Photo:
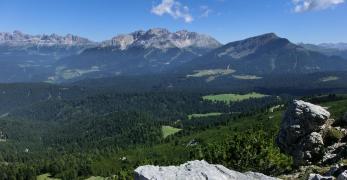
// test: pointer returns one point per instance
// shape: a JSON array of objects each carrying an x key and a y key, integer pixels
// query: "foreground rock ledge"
[{"x": 195, "y": 170}]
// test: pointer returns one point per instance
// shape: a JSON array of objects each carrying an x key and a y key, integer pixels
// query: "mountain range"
[
  {"x": 18, "y": 38},
  {"x": 25, "y": 57},
  {"x": 54, "y": 58},
  {"x": 266, "y": 54},
  {"x": 329, "y": 49},
  {"x": 141, "y": 52},
  {"x": 18, "y": 43}
]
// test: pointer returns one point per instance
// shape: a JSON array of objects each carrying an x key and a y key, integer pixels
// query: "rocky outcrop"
[
  {"x": 302, "y": 130},
  {"x": 342, "y": 176},
  {"x": 195, "y": 170},
  {"x": 307, "y": 134},
  {"x": 314, "y": 172},
  {"x": 319, "y": 177}
]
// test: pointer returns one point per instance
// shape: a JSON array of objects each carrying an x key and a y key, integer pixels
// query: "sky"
[{"x": 310, "y": 21}]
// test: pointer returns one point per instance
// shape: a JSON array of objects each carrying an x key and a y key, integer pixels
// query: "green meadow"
[
  {"x": 168, "y": 130},
  {"x": 229, "y": 98}
]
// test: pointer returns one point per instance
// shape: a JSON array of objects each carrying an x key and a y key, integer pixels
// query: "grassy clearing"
[
  {"x": 247, "y": 77},
  {"x": 168, "y": 130},
  {"x": 336, "y": 108},
  {"x": 211, "y": 72},
  {"x": 329, "y": 78},
  {"x": 96, "y": 178},
  {"x": 228, "y": 98},
  {"x": 191, "y": 116},
  {"x": 46, "y": 177}
]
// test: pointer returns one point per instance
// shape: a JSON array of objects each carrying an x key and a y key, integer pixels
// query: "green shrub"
[
  {"x": 333, "y": 135},
  {"x": 250, "y": 150}
]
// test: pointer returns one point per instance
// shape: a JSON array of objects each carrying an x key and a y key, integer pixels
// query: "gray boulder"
[
  {"x": 342, "y": 176},
  {"x": 195, "y": 170},
  {"x": 302, "y": 131},
  {"x": 320, "y": 177},
  {"x": 334, "y": 153}
]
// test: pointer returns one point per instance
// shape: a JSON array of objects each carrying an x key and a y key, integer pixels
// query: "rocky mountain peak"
[
  {"x": 243, "y": 48},
  {"x": 267, "y": 36},
  {"x": 123, "y": 41},
  {"x": 18, "y": 38},
  {"x": 162, "y": 39},
  {"x": 259, "y": 40},
  {"x": 158, "y": 32}
]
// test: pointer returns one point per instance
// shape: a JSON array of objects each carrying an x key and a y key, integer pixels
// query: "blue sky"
[{"x": 313, "y": 21}]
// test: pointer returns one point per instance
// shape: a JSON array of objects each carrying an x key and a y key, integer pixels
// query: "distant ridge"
[
  {"x": 19, "y": 39},
  {"x": 162, "y": 39},
  {"x": 266, "y": 54},
  {"x": 55, "y": 58},
  {"x": 142, "y": 52}
]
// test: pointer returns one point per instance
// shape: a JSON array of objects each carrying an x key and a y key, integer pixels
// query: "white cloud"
[
  {"x": 205, "y": 11},
  {"x": 174, "y": 9},
  {"x": 308, "y": 5}
]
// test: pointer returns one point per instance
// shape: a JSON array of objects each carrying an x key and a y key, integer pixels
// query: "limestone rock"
[
  {"x": 302, "y": 130},
  {"x": 336, "y": 170},
  {"x": 195, "y": 170},
  {"x": 332, "y": 171},
  {"x": 342, "y": 176},
  {"x": 335, "y": 152},
  {"x": 319, "y": 177}
]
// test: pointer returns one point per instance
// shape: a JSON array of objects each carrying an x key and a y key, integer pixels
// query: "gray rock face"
[
  {"x": 302, "y": 130},
  {"x": 342, "y": 176},
  {"x": 18, "y": 38},
  {"x": 320, "y": 177},
  {"x": 195, "y": 170},
  {"x": 334, "y": 153},
  {"x": 162, "y": 39}
]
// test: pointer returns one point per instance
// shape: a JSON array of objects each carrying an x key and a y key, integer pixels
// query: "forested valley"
[{"x": 86, "y": 129}]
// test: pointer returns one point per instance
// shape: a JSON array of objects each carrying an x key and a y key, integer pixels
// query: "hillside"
[
  {"x": 70, "y": 135},
  {"x": 237, "y": 145},
  {"x": 81, "y": 131},
  {"x": 265, "y": 54},
  {"x": 330, "y": 50}
]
